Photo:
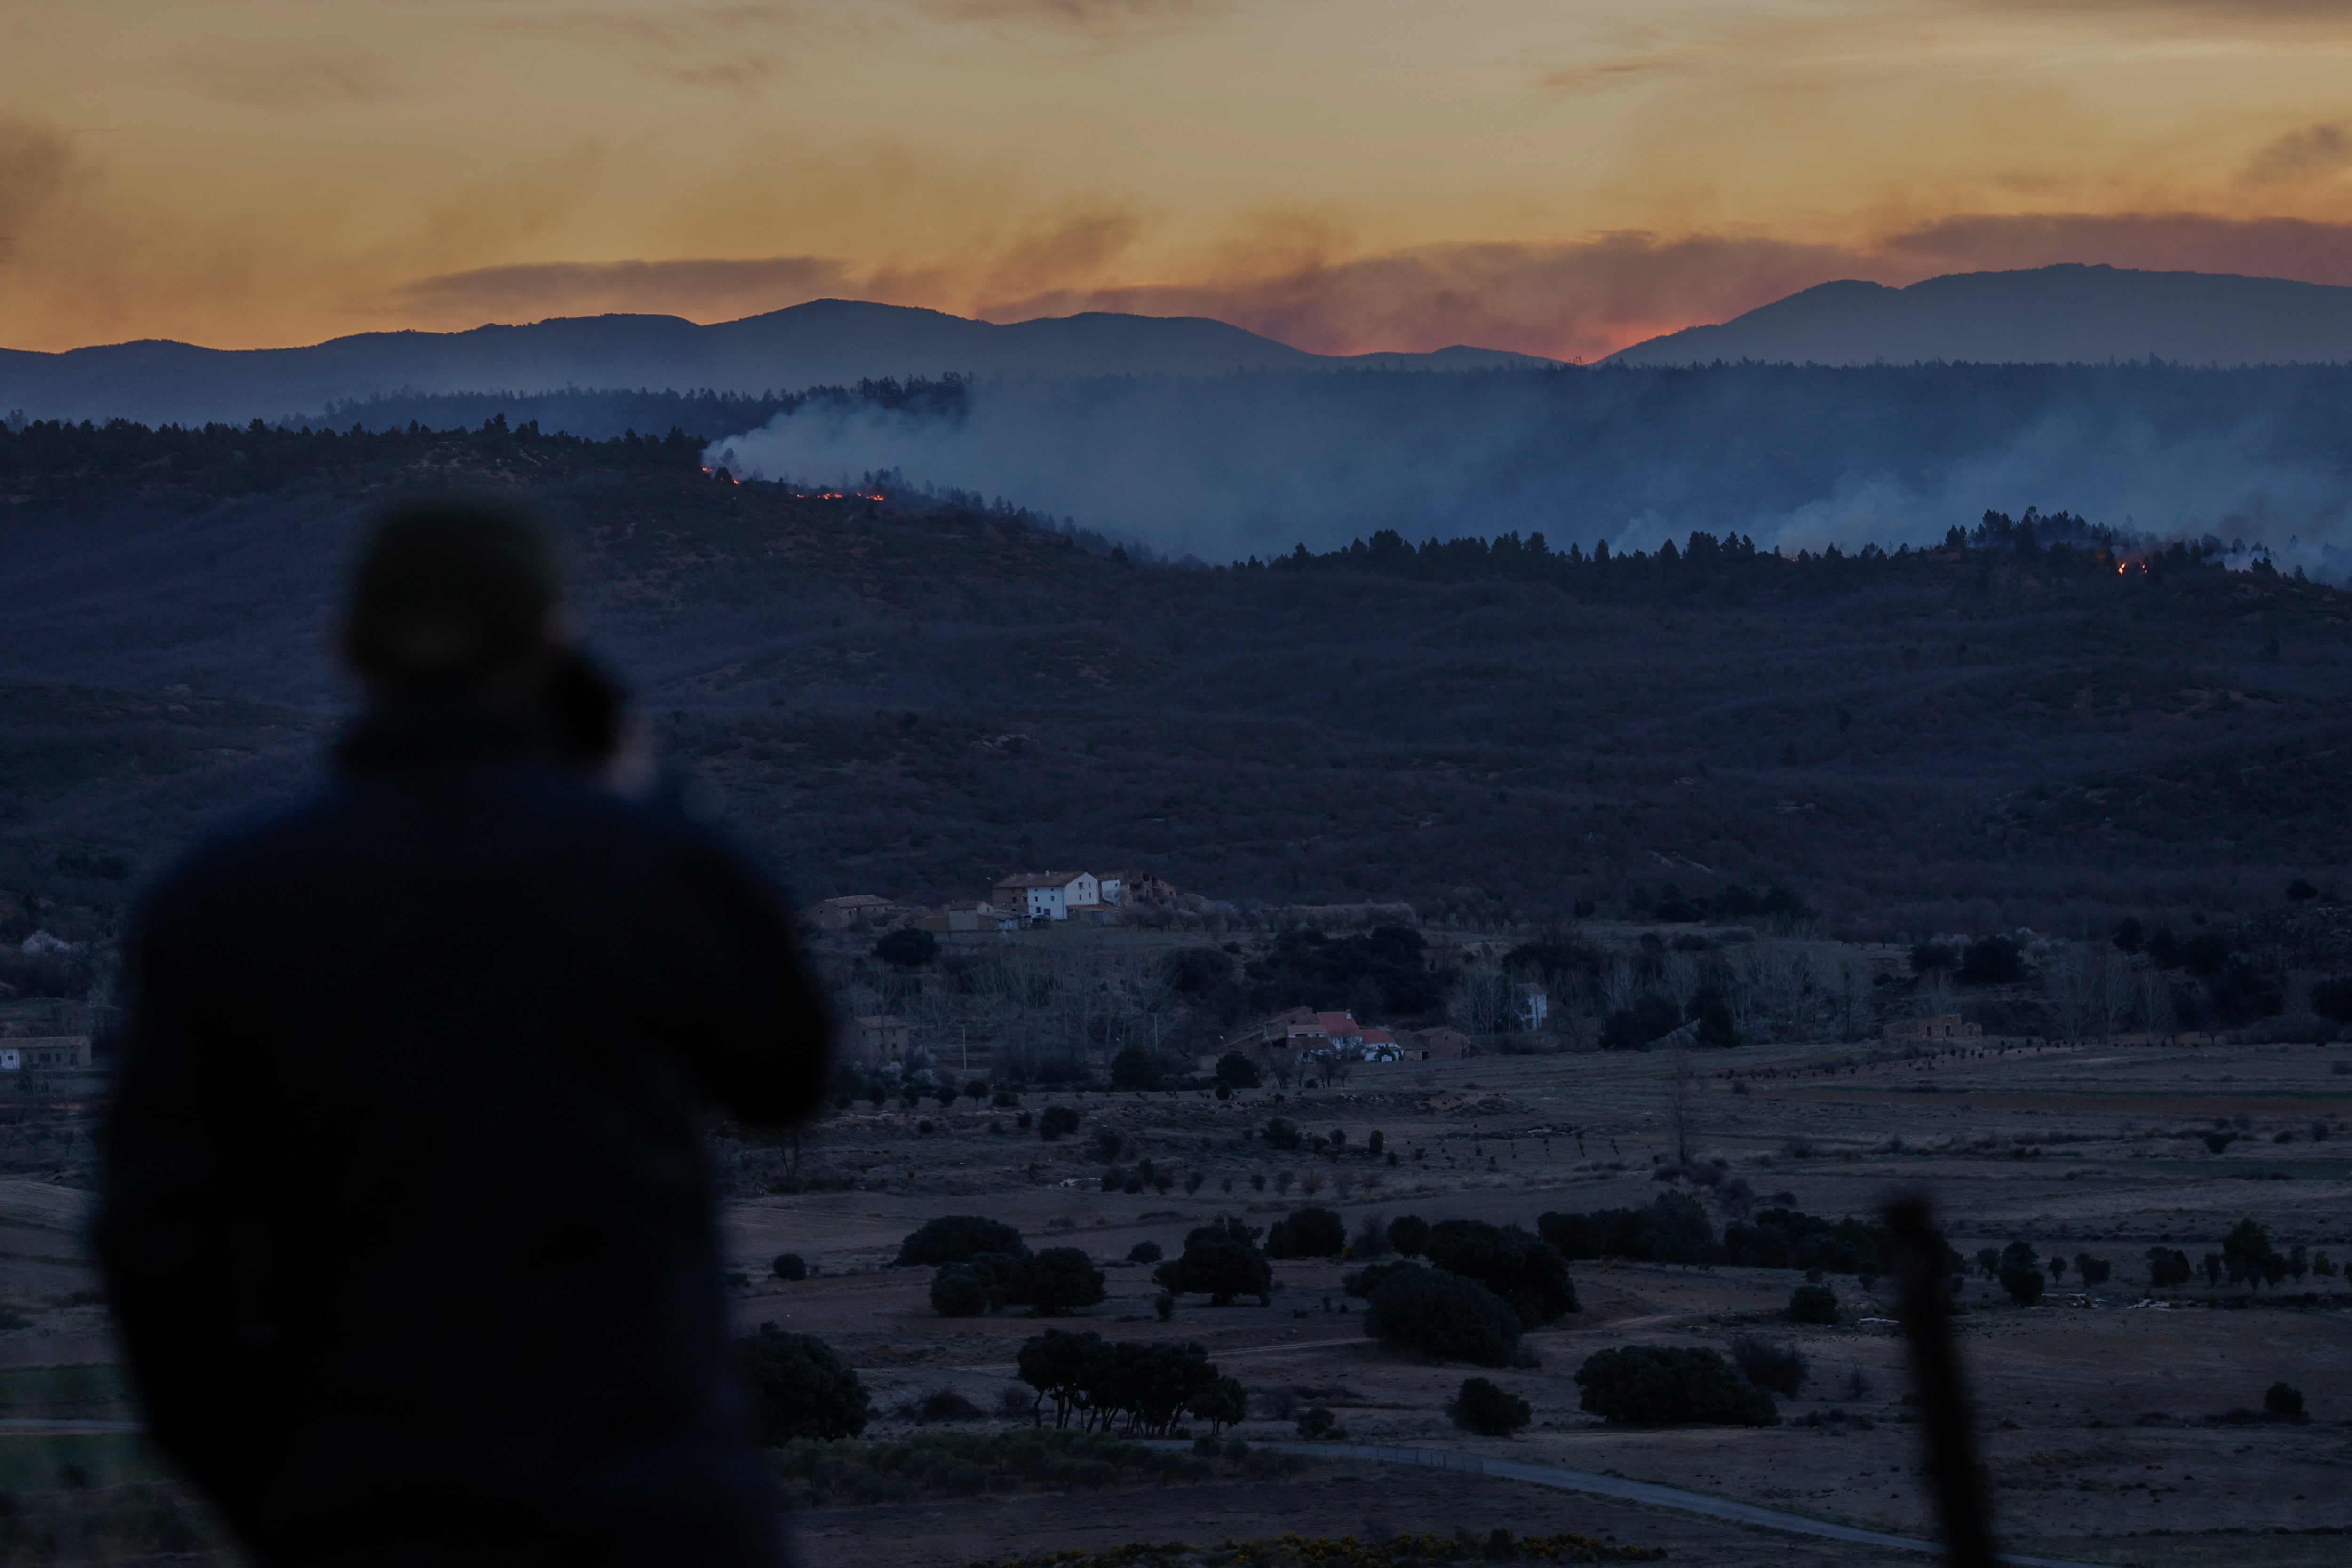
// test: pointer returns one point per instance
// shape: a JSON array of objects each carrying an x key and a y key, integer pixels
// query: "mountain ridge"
[
  {"x": 2070, "y": 313},
  {"x": 821, "y": 342}
]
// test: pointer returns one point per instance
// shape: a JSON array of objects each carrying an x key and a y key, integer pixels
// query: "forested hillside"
[{"x": 2036, "y": 725}]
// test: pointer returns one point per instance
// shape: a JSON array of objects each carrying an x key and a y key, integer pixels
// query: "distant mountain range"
[
  {"x": 823, "y": 342},
  {"x": 2051, "y": 314}
]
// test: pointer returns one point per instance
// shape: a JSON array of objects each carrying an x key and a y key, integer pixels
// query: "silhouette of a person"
[{"x": 406, "y": 1218}]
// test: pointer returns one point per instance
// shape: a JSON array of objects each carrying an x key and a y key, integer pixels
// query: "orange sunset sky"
[{"x": 1560, "y": 176}]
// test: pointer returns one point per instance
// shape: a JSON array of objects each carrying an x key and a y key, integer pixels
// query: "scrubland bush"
[
  {"x": 1061, "y": 1279},
  {"x": 1782, "y": 1368},
  {"x": 1530, "y": 1274},
  {"x": 1483, "y": 1408},
  {"x": 1221, "y": 1261},
  {"x": 958, "y": 1292},
  {"x": 1443, "y": 1315},
  {"x": 1408, "y": 1233},
  {"x": 957, "y": 1238},
  {"x": 799, "y": 1387},
  {"x": 1663, "y": 1385},
  {"x": 1134, "y": 1068},
  {"x": 1150, "y": 1386},
  {"x": 1237, "y": 1070},
  {"x": 1311, "y": 1232},
  {"x": 1813, "y": 1304}
]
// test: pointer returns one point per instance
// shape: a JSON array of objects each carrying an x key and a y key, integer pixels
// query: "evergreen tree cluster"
[
  {"x": 1221, "y": 1261},
  {"x": 1140, "y": 1389},
  {"x": 984, "y": 1267},
  {"x": 1483, "y": 1288},
  {"x": 1675, "y": 1228},
  {"x": 1668, "y": 1386},
  {"x": 1730, "y": 568},
  {"x": 59, "y": 463},
  {"x": 799, "y": 1387}
]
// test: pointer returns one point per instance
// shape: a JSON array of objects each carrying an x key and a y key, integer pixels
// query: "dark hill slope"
[
  {"x": 911, "y": 700},
  {"x": 2051, "y": 314},
  {"x": 823, "y": 341}
]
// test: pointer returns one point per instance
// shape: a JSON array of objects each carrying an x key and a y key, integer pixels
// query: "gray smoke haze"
[{"x": 1794, "y": 458}]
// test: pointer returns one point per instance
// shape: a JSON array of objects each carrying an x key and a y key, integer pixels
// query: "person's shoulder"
[
  {"x": 671, "y": 822},
  {"x": 241, "y": 852}
]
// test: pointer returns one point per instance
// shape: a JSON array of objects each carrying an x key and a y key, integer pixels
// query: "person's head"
[{"x": 453, "y": 593}]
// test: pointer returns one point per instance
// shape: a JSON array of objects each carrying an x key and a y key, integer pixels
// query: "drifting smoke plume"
[{"x": 1794, "y": 458}]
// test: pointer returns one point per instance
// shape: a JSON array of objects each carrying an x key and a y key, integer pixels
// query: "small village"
[
  {"x": 1056, "y": 974},
  {"x": 1026, "y": 900}
]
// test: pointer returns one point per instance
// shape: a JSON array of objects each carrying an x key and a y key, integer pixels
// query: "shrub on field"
[
  {"x": 1221, "y": 1261},
  {"x": 2284, "y": 1401},
  {"x": 1442, "y": 1314},
  {"x": 1781, "y": 1368},
  {"x": 1813, "y": 1304},
  {"x": 1134, "y": 1068},
  {"x": 1058, "y": 1122},
  {"x": 790, "y": 1266},
  {"x": 1490, "y": 1411},
  {"x": 958, "y": 1292},
  {"x": 907, "y": 948},
  {"x": 957, "y": 1238},
  {"x": 1144, "y": 1253},
  {"x": 1530, "y": 1274},
  {"x": 1309, "y": 1232},
  {"x": 1061, "y": 1279},
  {"x": 1150, "y": 1385},
  {"x": 941, "y": 1404},
  {"x": 1408, "y": 1233},
  {"x": 800, "y": 1388},
  {"x": 2168, "y": 1266},
  {"x": 2024, "y": 1285},
  {"x": 2093, "y": 1270},
  {"x": 1663, "y": 1385},
  {"x": 1282, "y": 1133},
  {"x": 1673, "y": 1229}
]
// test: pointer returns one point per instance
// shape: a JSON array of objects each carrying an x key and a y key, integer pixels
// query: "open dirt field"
[
  {"x": 2099, "y": 1434},
  {"x": 2099, "y": 1438}
]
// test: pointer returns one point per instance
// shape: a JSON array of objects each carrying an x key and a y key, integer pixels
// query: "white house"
[
  {"x": 51, "y": 1050},
  {"x": 1049, "y": 895}
]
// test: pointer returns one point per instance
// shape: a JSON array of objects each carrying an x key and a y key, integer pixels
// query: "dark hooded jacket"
[{"x": 406, "y": 1217}]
